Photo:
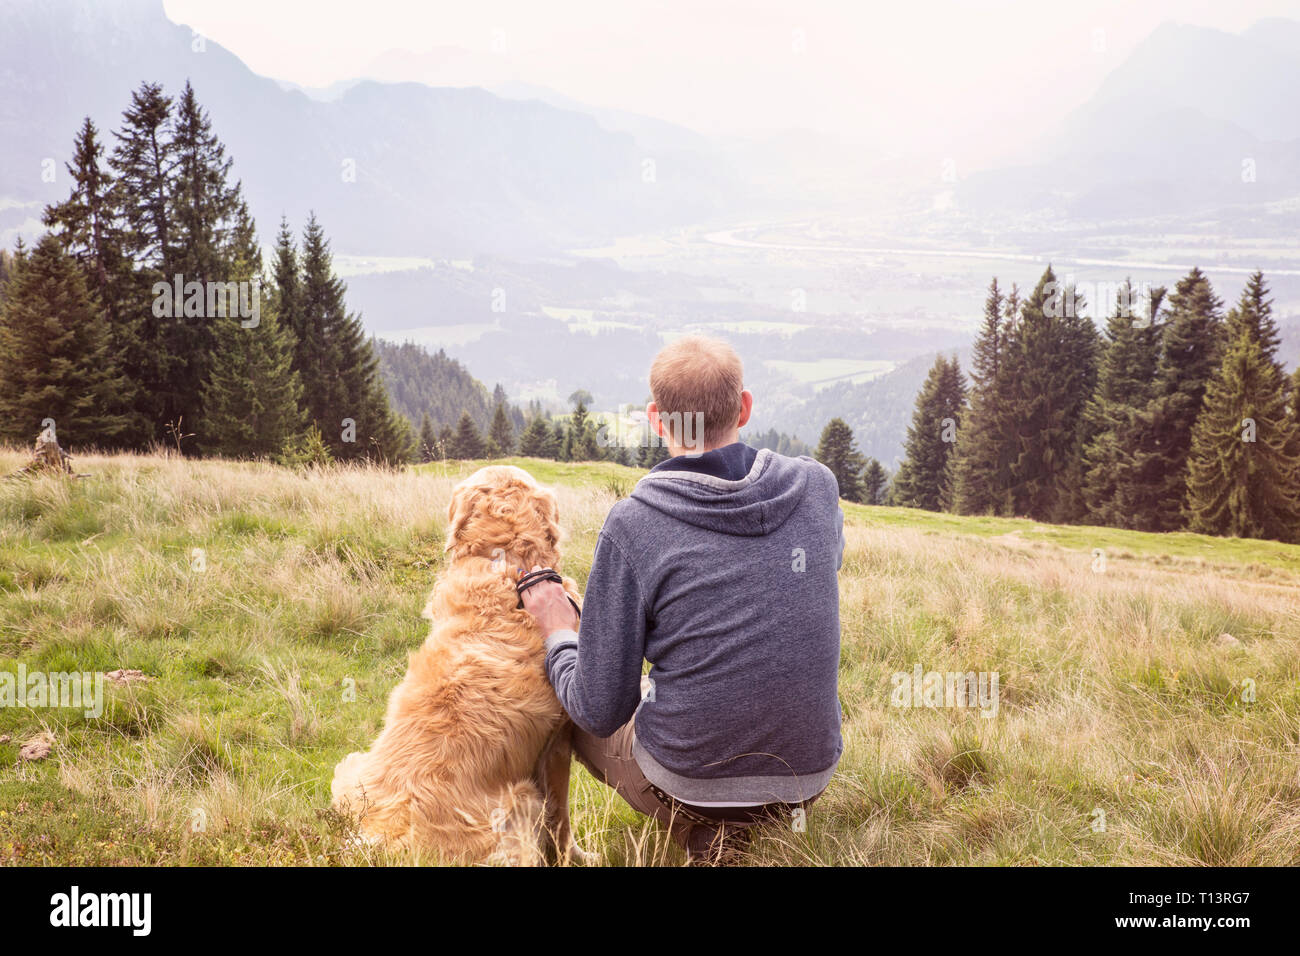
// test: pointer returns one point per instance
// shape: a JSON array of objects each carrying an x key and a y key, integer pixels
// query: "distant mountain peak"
[{"x": 1277, "y": 32}]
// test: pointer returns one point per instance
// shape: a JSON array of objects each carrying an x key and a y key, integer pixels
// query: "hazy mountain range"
[
  {"x": 391, "y": 169},
  {"x": 521, "y": 169},
  {"x": 1194, "y": 119},
  {"x": 403, "y": 168}
]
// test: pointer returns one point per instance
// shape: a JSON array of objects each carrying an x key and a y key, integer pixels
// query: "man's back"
[{"x": 734, "y": 583}]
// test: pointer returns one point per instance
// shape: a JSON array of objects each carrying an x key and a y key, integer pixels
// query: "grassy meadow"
[{"x": 1149, "y": 696}]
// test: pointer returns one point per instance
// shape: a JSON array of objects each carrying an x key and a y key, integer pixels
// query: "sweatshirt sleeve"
[{"x": 596, "y": 672}]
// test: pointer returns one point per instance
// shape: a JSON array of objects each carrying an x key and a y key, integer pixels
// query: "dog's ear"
[
  {"x": 549, "y": 511},
  {"x": 463, "y": 500}
]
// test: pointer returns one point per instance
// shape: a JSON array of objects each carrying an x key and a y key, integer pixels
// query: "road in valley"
[{"x": 728, "y": 237}]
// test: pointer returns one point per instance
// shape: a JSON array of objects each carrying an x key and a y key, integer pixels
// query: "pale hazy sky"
[{"x": 925, "y": 70}]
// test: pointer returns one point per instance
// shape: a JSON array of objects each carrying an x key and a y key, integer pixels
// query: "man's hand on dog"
[{"x": 550, "y": 605}]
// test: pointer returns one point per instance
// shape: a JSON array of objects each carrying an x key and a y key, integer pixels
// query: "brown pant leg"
[{"x": 610, "y": 760}]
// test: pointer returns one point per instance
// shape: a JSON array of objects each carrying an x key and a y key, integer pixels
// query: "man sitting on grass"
[{"x": 720, "y": 570}]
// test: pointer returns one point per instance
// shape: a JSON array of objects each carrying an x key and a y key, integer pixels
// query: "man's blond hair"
[{"x": 696, "y": 384}]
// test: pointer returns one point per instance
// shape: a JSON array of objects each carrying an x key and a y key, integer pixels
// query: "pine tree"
[
  {"x": 981, "y": 462},
  {"x": 286, "y": 291},
  {"x": 144, "y": 167},
  {"x": 537, "y": 440},
  {"x": 428, "y": 449},
  {"x": 563, "y": 438},
  {"x": 215, "y": 239},
  {"x": 1253, "y": 317},
  {"x": 87, "y": 223},
  {"x": 320, "y": 316},
  {"x": 211, "y": 235},
  {"x": 1152, "y": 488},
  {"x": 1051, "y": 371},
  {"x": 207, "y": 217},
  {"x": 383, "y": 434},
  {"x": 1124, "y": 386},
  {"x": 581, "y": 440},
  {"x": 336, "y": 362},
  {"x": 874, "y": 482},
  {"x": 838, "y": 451},
  {"x": 204, "y": 207},
  {"x": 252, "y": 397},
  {"x": 86, "y": 220},
  {"x": 923, "y": 479},
  {"x": 396, "y": 442},
  {"x": 59, "y": 362},
  {"x": 1243, "y": 468},
  {"x": 502, "y": 433},
  {"x": 167, "y": 210},
  {"x": 467, "y": 443},
  {"x": 307, "y": 449},
  {"x": 242, "y": 245}
]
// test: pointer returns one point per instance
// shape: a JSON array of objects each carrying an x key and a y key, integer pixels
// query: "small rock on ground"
[
  {"x": 121, "y": 676},
  {"x": 38, "y": 748}
]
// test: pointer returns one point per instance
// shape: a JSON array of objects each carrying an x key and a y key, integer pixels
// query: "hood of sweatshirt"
[{"x": 752, "y": 506}]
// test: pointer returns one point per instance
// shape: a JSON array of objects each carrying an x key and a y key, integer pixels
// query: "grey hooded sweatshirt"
[{"x": 728, "y": 587}]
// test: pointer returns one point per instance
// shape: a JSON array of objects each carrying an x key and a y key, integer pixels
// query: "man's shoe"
[{"x": 716, "y": 845}]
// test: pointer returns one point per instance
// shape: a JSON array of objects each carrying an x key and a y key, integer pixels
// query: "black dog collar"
[{"x": 537, "y": 577}]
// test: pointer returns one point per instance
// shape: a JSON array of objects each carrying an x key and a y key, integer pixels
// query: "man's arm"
[{"x": 596, "y": 672}]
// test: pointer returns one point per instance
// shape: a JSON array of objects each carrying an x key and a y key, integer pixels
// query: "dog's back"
[{"x": 463, "y": 730}]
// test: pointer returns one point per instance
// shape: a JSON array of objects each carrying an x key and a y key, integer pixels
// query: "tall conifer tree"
[
  {"x": 212, "y": 238},
  {"x": 1244, "y": 464},
  {"x": 467, "y": 443},
  {"x": 252, "y": 396},
  {"x": 838, "y": 451},
  {"x": 59, "y": 363},
  {"x": 88, "y": 224},
  {"x": 1243, "y": 472},
  {"x": 537, "y": 440},
  {"x": 144, "y": 165},
  {"x": 1152, "y": 487},
  {"x": 875, "y": 483},
  {"x": 428, "y": 447},
  {"x": 923, "y": 479},
  {"x": 982, "y": 459},
  {"x": 581, "y": 439},
  {"x": 1051, "y": 367},
  {"x": 502, "y": 433},
  {"x": 343, "y": 392},
  {"x": 1124, "y": 387}
]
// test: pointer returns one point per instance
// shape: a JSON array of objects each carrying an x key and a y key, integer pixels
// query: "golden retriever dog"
[{"x": 473, "y": 760}]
